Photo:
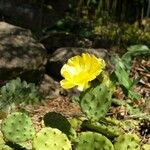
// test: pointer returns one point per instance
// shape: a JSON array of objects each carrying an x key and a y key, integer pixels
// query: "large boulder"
[
  {"x": 55, "y": 40},
  {"x": 33, "y": 14},
  {"x": 61, "y": 55},
  {"x": 20, "y": 54}
]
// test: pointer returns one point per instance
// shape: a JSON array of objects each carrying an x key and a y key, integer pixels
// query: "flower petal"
[
  {"x": 83, "y": 86},
  {"x": 74, "y": 61},
  {"x": 66, "y": 84},
  {"x": 68, "y": 71}
]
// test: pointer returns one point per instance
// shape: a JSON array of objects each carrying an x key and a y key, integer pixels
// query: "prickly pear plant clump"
[
  {"x": 127, "y": 142},
  {"x": 17, "y": 127},
  {"x": 93, "y": 141},
  {"x": 51, "y": 139},
  {"x": 17, "y": 92}
]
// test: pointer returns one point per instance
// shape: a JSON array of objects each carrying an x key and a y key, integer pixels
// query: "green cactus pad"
[
  {"x": 146, "y": 147},
  {"x": 6, "y": 147},
  {"x": 51, "y": 139},
  {"x": 2, "y": 142},
  {"x": 56, "y": 120},
  {"x": 93, "y": 141},
  {"x": 109, "y": 131},
  {"x": 127, "y": 142},
  {"x": 96, "y": 101},
  {"x": 17, "y": 127}
]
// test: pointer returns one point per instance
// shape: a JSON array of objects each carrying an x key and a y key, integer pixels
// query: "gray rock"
[
  {"x": 20, "y": 54},
  {"x": 48, "y": 87},
  {"x": 61, "y": 55},
  {"x": 56, "y": 40},
  {"x": 33, "y": 14}
]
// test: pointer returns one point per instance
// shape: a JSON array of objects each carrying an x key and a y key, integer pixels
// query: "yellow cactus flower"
[{"x": 80, "y": 70}]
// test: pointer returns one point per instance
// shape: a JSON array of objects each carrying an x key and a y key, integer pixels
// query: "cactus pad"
[
  {"x": 51, "y": 139},
  {"x": 17, "y": 127},
  {"x": 56, "y": 120},
  {"x": 6, "y": 147},
  {"x": 146, "y": 147},
  {"x": 96, "y": 101},
  {"x": 127, "y": 142},
  {"x": 93, "y": 141},
  {"x": 109, "y": 131},
  {"x": 2, "y": 142}
]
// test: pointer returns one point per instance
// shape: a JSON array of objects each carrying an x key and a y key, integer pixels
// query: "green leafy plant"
[
  {"x": 133, "y": 51},
  {"x": 122, "y": 67},
  {"x": 122, "y": 74}
]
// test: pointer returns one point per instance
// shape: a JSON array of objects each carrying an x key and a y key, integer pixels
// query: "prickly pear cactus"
[
  {"x": 17, "y": 92},
  {"x": 2, "y": 142},
  {"x": 110, "y": 131},
  {"x": 56, "y": 120},
  {"x": 127, "y": 142},
  {"x": 76, "y": 122},
  {"x": 6, "y": 147},
  {"x": 93, "y": 141},
  {"x": 96, "y": 101},
  {"x": 17, "y": 127},
  {"x": 146, "y": 147},
  {"x": 51, "y": 139}
]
